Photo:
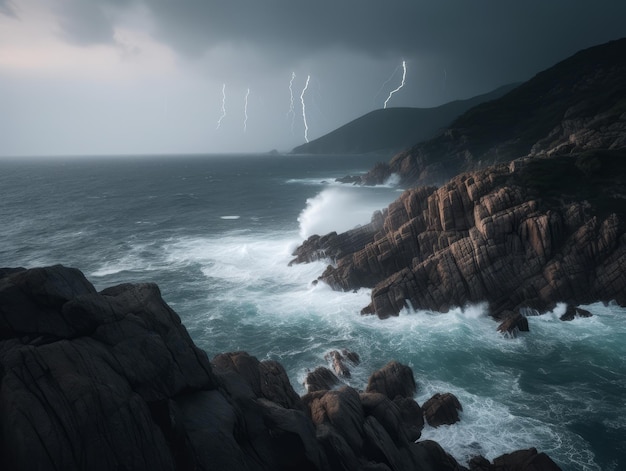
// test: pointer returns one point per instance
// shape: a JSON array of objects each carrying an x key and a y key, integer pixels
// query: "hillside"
[
  {"x": 393, "y": 129},
  {"x": 576, "y": 105}
]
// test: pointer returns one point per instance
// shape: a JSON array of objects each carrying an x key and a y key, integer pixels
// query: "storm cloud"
[{"x": 454, "y": 48}]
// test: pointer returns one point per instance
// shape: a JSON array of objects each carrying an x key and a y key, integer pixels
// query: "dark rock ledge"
[{"x": 112, "y": 381}]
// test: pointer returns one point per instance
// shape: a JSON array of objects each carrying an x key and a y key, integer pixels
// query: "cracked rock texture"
[{"x": 527, "y": 234}]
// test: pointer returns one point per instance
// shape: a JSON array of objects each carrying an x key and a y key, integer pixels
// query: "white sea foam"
[{"x": 340, "y": 209}]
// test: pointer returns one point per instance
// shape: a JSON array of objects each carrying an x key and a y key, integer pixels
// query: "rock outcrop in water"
[
  {"x": 112, "y": 380},
  {"x": 528, "y": 234}
]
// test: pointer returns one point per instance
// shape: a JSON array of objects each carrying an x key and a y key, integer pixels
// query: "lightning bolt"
[
  {"x": 245, "y": 111},
  {"x": 291, "y": 107},
  {"x": 386, "y": 82},
  {"x": 306, "y": 126},
  {"x": 219, "y": 121},
  {"x": 399, "y": 87}
]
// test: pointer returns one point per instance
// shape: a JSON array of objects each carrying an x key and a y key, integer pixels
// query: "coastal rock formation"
[
  {"x": 442, "y": 409},
  {"x": 531, "y": 233},
  {"x": 392, "y": 380},
  {"x": 321, "y": 379},
  {"x": 111, "y": 380}
]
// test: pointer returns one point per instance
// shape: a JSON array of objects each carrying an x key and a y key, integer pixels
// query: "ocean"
[{"x": 216, "y": 234}]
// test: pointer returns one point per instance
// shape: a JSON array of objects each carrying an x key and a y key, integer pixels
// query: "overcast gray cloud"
[
  {"x": 7, "y": 8},
  {"x": 453, "y": 48},
  {"x": 291, "y": 30}
]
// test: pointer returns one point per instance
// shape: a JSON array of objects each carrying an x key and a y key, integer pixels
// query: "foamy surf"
[{"x": 340, "y": 209}]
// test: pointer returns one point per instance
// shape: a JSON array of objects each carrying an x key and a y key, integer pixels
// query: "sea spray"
[{"x": 340, "y": 209}]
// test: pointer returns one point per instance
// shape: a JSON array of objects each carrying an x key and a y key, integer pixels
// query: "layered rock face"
[
  {"x": 531, "y": 233},
  {"x": 577, "y": 105},
  {"x": 112, "y": 380}
]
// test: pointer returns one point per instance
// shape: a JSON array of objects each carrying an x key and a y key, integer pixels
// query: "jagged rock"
[
  {"x": 490, "y": 236},
  {"x": 333, "y": 246},
  {"x": 525, "y": 460},
  {"x": 394, "y": 379},
  {"x": 442, "y": 409},
  {"x": 267, "y": 379},
  {"x": 84, "y": 375},
  {"x": 573, "y": 312},
  {"x": 321, "y": 379},
  {"x": 513, "y": 322},
  {"x": 337, "y": 360},
  {"x": 112, "y": 380},
  {"x": 351, "y": 356}
]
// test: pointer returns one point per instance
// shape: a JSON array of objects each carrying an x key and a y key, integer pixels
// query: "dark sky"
[{"x": 163, "y": 76}]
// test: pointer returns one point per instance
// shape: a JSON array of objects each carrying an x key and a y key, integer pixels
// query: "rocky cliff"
[
  {"x": 577, "y": 105},
  {"x": 526, "y": 234},
  {"x": 111, "y": 380}
]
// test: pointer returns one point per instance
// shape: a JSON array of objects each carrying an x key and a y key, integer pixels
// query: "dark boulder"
[
  {"x": 321, "y": 379},
  {"x": 267, "y": 379},
  {"x": 572, "y": 313},
  {"x": 525, "y": 460},
  {"x": 442, "y": 409},
  {"x": 393, "y": 379}
]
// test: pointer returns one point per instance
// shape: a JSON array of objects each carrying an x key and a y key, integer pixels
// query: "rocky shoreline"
[
  {"x": 111, "y": 380},
  {"x": 501, "y": 235}
]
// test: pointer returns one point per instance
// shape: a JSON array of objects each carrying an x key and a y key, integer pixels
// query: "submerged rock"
[{"x": 513, "y": 323}]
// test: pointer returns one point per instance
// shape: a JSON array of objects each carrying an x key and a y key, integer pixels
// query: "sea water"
[{"x": 217, "y": 233}]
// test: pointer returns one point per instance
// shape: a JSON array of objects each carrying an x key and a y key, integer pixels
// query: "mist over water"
[{"x": 217, "y": 233}]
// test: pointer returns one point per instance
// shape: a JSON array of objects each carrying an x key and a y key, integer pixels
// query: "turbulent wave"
[{"x": 340, "y": 209}]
